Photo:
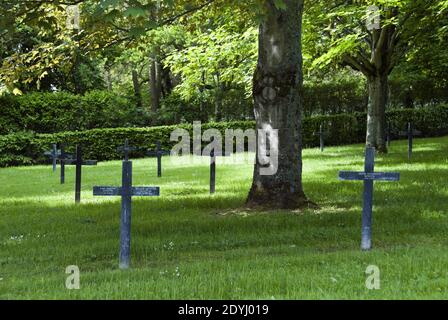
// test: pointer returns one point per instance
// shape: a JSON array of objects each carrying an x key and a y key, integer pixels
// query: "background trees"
[
  {"x": 181, "y": 61},
  {"x": 340, "y": 32}
]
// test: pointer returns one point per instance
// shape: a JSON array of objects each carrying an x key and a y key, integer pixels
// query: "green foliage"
[
  {"x": 101, "y": 144},
  {"x": 341, "y": 92},
  {"x": 215, "y": 60},
  {"x": 60, "y": 111}
]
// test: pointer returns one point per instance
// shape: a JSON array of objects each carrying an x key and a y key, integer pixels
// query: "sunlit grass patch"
[{"x": 188, "y": 244}]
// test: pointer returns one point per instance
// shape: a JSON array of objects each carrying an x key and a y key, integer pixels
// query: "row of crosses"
[
  {"x": 126, "y": 191},
  {"x": 410, "y": 133}
]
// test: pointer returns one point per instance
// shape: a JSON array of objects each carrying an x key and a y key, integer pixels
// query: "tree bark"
[
  {"x": 278, "y": 103},
  {"x": 376, "y": 112}
]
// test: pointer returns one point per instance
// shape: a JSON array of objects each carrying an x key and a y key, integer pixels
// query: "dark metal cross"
[
  {"x": 79, "y": 162},
  {"x": 213, "y": 155},
  {"x": 62, "y": 159},
  {"x": 368, "y": 176},
  {"x": 126, "y": 149},
  {"x": 410, "y": 133},
  {"x": 53, "y": 154},
  {"x": 159, "y": 153},
  {"x": 322, "y": 135},
  {"x": 126, "y": 191}
]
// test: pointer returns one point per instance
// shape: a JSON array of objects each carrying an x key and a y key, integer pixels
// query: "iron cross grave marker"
[
  {"x": 322, "y": 135},
  {"x": 126, "y": 149},
  {"x": 53, "y": 155},
  {"x": 368, "y": 176},
  {"x": 213, "y": 154},
  {"x": 79, "y": 163},
  {"x": 410, "y": 133},
  {"x": 159, "y": 153},
  {"x": 126, "y": 191}
]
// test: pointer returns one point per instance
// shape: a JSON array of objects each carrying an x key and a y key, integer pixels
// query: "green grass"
[{"x": 190, "y": 245}]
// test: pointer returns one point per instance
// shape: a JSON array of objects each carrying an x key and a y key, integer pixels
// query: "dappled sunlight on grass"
[{"x": 190, "y": 244}]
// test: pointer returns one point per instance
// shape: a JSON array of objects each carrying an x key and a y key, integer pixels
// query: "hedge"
[
  {"x": 60, "y": 111},
  {"x": 27, "y": 148}
]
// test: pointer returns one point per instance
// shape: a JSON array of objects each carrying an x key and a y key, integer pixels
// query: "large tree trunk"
[
  {"x": 376, "y": 112},
  {"x": 278, "y": 91}
]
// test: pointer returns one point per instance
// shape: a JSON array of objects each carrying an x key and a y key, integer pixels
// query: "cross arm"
[
  {"x": 375, "y": 176},
  {"x": 118, "y": 191},
  {"x": 84, "y": 163},
  {"x": 156, "y": 153}
]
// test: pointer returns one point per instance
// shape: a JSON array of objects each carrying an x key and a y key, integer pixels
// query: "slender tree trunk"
[
  {"x": 155, "y": 83},
  {"x": 137, "y": 92},
  {"x": 108, "y": 79},
  {"x": 77, "y": 80},
  {"x": 376, "y": 112},
  {"x": 278, "y": 103},
  {"x": 218, "y": 99}
]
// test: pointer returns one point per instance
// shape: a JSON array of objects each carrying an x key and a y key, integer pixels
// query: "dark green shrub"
[
  {"x": 26, "y": 148},
  {"x": 61, "y": 111}
]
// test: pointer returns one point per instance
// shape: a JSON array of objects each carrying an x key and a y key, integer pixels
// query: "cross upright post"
[
  {"x": 62, "y": 161},
  {"x": 368, "y": 176},
  {"x": 125, "y": 149},
  {"x": 212, "y": 172},
  {"x": 78, "y": 174},
  {"x": 53, "y": 154},
  {"x": 410, "y": 133},
  {"x": 322, "y": 134},
  {"x": 159, "y": 153},
  {"x": 213, "y": 154},
  {"x": 369, "y": 167},
  {"x": 126, "y": 191},
  {"x": 126, "y": 213},
  {"x": 77, "y": 160},
  {"x": 55, "y": 157}
]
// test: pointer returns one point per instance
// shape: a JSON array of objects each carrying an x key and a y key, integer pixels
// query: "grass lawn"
[{"x": 190, "y": 245}]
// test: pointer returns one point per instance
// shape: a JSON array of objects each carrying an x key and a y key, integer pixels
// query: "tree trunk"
[
  {"x": 108, "y": 79},
  {"x": 278, "y": 103},
  {"x": 137, "y": 93},
  {"x": 155, "y": 83},
  {"x": 218, "y": 98},
  {"x": 376, "y": 112}
]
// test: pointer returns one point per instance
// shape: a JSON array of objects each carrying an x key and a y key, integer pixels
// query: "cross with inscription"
[
  {"x": 126, "y": 191},
  {"x": 53, "y": 154},
  {"x": 368, "y": 176},
  {"x": 322, "y": 135},
  {"x": 159, "y": 153},
  {"x": 410, "y": 133}
]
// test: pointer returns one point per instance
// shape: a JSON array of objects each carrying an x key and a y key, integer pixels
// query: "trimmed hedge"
[
  {"x": 101, "y": 144},
  {"x": 60, "y": 111}
]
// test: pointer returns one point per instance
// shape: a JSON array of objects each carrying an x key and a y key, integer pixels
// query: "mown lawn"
[{"x": 190, "y": 245}]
